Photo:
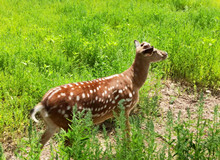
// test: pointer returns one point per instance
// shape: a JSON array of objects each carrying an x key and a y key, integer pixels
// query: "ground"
[{"x": 174, "y": 96}]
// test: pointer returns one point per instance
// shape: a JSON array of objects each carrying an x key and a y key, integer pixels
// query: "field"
[{"x": 46, "y": 43}]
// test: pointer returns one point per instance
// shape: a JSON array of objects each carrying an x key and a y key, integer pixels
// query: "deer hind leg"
[
  {"x": 128, "y": 128},
  {"x": 51, "y": 128}
]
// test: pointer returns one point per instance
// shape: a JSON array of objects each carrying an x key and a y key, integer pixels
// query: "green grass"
[{"x": 47, "y": 43}]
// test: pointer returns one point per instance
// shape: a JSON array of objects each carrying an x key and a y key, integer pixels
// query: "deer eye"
[{"x": 142, "y": 44}]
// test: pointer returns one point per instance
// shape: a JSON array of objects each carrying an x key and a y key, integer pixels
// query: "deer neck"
[{"x": 138, "y": 72}]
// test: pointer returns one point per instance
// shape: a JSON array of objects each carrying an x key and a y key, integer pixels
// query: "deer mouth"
[{"x": 165, "y": 55}]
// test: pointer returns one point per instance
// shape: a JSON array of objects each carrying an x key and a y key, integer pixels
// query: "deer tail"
[{"x": 35, "y": 110}]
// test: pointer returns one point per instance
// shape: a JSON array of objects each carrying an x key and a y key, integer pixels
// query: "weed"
[
  {"x": 1, "y": 152},
  {"x": 81, "y": 137}
]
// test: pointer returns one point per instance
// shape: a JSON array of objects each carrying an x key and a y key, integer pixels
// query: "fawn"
[{"x": 100, "y": 96}]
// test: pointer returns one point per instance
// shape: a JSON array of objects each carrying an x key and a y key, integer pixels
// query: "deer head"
[{"x": 148, "y": 53}]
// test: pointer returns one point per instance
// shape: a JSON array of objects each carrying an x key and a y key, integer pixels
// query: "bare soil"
[{"x": 174, "y": 97}]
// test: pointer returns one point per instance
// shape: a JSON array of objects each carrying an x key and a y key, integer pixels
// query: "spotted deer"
[{"x": 100, "y": 96}]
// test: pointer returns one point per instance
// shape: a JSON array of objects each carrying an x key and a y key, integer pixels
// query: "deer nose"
[{"x": 164, "y": 53}]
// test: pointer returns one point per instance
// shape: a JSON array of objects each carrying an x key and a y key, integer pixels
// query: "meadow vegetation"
[{"x": 46, "y": 43}]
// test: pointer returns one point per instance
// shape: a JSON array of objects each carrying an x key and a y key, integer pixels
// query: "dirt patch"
[{"x": 176, "y": 98}]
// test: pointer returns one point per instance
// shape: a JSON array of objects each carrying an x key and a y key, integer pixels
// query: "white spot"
[
  {"x": 126, "y": 87},
  {"x": 129, "y": 79},
  {"x": 128, "y": 99},
  {"x": 64, "y": 86},
  {"x": 114, "y": 91},
  {"x": 96, "y": 98},
  {"x": 91, "y": 91},
  {"x": 88, "y": 95},
  {"x": 113, "y": 102},
  {"x": 120, "y": 91},
  {"x": 58, "y": 96},
  {"x": 133, "y": 92},
  {"x": 70, "y": 85},
  {"x": 76, "y": 84},
  {"x": 66, "y": 115},
  {"x": 97, "y": 88},
  {"x": 83, "y": 95},
  {"x": 71, "y": 93},
  {"x": 68, "y": 107},
  {"x": 80, "y": 107},
  {"x": 109, "y": 96},
  {"x": 59, "y": 110},
  {"x": 130, "y": 95},
  {"x": 103, "y": 94},
  {"x": 105, "y": 106},
  {"x": 81, "y": 83},
  {"x": 106, "y": 101},
  {"x": 117, "y": 97},
  {"x": 63, "y": 111},
  {"x": 100, "y": 99},
  {"x": 54, "y": 92},
  {"x": 69, "y": 97},
  {"x": 77, "y": 98},
  {"x": 63, "y": 94}
]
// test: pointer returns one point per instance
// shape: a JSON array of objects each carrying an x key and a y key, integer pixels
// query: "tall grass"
[
  {"x": 50, "y": 42},
  {"x": 179, "y": 140}
]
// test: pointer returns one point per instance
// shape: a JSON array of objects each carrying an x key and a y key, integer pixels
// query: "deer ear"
[{"x": 137, "y": 44}]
